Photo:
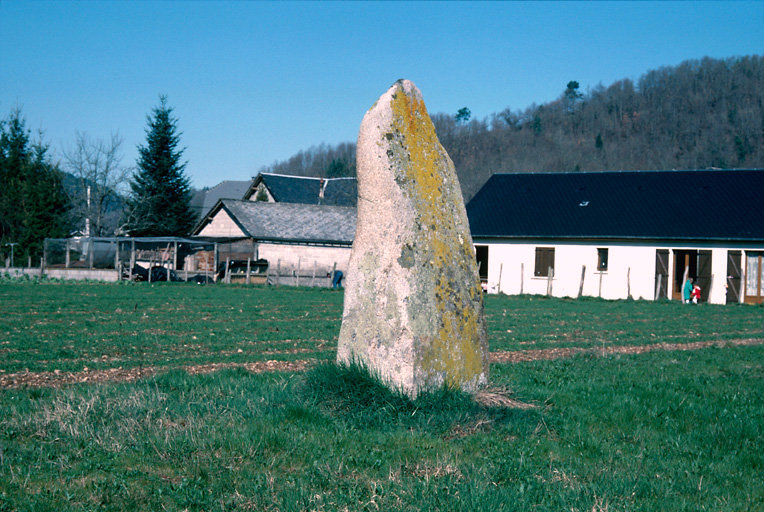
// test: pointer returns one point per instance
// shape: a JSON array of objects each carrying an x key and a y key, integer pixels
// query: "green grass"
[{"x": 664, "y": 430}]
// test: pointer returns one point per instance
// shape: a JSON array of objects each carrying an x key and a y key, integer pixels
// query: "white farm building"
[{"x": 622, "y": 234}]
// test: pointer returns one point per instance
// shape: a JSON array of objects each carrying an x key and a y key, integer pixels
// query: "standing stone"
[{"x": 413, "y": 309}]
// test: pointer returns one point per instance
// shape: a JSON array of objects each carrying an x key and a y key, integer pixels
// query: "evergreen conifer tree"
[
  {"x": 160, "y": 202},
  {"x": 33, "y": 202}
]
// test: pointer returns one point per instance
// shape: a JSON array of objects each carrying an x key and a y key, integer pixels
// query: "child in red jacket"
[{"x": 695, "y": 295}]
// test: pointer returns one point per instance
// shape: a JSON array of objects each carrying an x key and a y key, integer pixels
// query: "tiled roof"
[
  {"x": 658, "y": 205},
  {"x": 289, "y": 222},
  {"x": 204, "y": 200},
  {"x": 306, "y": 190}
]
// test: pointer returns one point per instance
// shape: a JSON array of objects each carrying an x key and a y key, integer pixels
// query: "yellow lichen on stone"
[{"x": 454, "y": 350}]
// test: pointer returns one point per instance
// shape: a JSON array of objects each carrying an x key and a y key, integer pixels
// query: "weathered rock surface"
[{"x": 413, "y": 309}]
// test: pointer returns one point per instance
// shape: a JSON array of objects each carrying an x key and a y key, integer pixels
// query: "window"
[
  {"x": 544, "y": 261},
  {"x": 602, "y": 260}
]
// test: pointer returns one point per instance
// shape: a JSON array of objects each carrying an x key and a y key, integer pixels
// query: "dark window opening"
[{"x": 602, "y": 255}]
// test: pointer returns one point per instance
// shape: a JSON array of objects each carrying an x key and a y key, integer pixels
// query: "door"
[
  {"x": 703, "y": 277},
  {"x": 684, "y": 260},
  {"x": 754, "y": 280},
  {"x": 661, "y": 273},
  {"x": 733, "y": 277}
]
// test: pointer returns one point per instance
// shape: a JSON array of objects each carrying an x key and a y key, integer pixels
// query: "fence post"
[
  {"x": 581, "y": 284},
  {"x": 313, "y": 279},
  {"x": 249, "y": 260},
  {"x": 215, "y": 262},
  {"x": 227, "y": 275},
  {"x": 116, "y": 259},
  {"x": 334, "y": 270},
  {"x": 628, "y": 283},
  {"x": 68, "y": 259},
  {"x": 522, "y": 276},
  {"x": 132, "y": 257},
  {"x": 550, "y": 276},
  {"x": 278, "y": 272},
  {"x": 297, "y": 281},
  {"x": 91, "y": 251},
  {"x": 501, "y": 268}
]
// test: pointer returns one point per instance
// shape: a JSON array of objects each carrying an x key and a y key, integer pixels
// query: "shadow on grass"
[{"x": 351, "y": 395}]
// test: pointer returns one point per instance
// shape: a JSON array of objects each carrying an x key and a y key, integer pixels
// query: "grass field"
[{"x": 610, "y": 431}]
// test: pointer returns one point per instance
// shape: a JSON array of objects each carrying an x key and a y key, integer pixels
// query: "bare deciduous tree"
[{"x": 97, "y": 202}]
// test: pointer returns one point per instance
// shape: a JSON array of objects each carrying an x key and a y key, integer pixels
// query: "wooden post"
[
  {"x": 168, "y": 271},
  {"x": 249, "y": 263},
  {"x": 599, "y": 291},
  {"x": 313, "y": 279},
  {"x": 501, "y": 268},
  {"x": 68, "y": 256},
  {"x": 550, "y": 276},
  {"x": 297, "y": 281},
  {"x": 581, "y": 284},
  {"x": 29, "y": 261},
  {"x": 710, "y": 288},
  {"x": 92, "y": 249},
  {"x": 175, "y": 256},
  {"x": 151, "y": 264},
  {"x": 522, "y": 276},
  {"x": 42, "y": 263},
  {"x": 628, "y": 283},
  {"x": 268, "y": 273},
  {"x": 684, "y": 279},
  {"x": 215, "y": 261},
  {"x": 334, "y": 269},
  {"x": 116, "y": 259},
  {"x": 132, "y": 257},
  {"x": 227, "y": 275},
  {"x": 278, "y": 271}
]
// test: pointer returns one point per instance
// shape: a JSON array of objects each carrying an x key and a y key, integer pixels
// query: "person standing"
[{"x": 687, "y": 290}]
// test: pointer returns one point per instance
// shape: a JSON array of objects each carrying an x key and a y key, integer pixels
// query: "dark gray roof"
[
  {"x": 289, "y": 222},
  {"x": 306, "y": 190},
  {"x": 204, "y": 200},
  {"x": 656, "y": 205}
]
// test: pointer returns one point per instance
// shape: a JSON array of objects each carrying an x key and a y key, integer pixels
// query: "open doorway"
[
  {"x": 698, "y": 266},
  {"x": 481, "y": 254}
]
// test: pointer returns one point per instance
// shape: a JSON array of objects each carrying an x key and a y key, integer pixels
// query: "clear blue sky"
[{"x": 255, "y": 82}]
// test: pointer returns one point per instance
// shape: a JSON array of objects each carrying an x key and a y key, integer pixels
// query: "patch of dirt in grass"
[
  {"x": 519, "y": 356},
  {"x": 493, "y": 397},
  {"x": 255, "y": 367},
  {"x": 58, "y": 378}
]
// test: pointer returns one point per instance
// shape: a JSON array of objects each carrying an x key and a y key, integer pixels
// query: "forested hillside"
[{"x": 699, "y": 114}]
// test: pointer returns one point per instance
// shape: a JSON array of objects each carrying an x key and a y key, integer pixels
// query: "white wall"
[
  {"x": 631, "y": 267},
  {"x": 307, "y": 256}
]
